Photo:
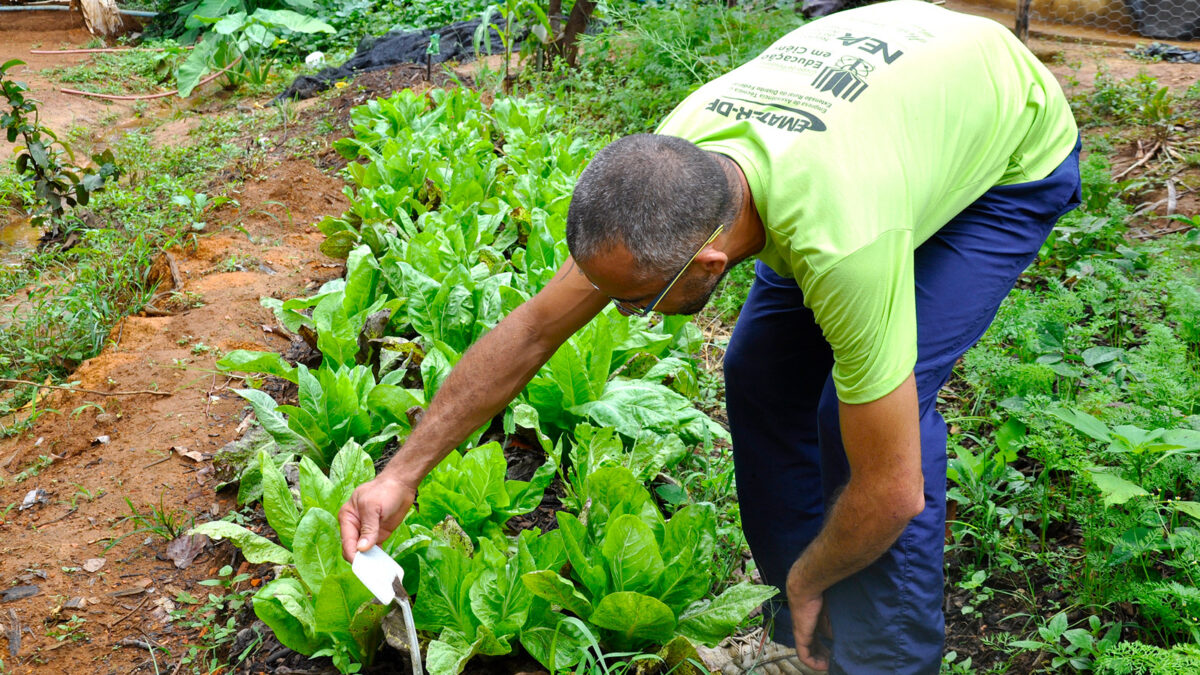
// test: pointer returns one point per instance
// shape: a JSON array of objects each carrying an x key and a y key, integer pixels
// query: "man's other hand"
[
  {"x": 809, "y": 624},
  {"x": 373, "y": 512}
]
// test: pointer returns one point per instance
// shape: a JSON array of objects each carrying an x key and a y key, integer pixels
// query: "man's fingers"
[
  {"x": 368, "y": 529},
  {"x": 348, "y": 523},
  {"x": 813, "y": 658}
]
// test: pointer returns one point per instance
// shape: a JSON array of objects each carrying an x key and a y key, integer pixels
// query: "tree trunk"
[{"x": 567, "y": 46}]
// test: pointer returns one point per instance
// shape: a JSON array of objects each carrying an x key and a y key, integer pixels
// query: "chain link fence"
[{"x": 1152, "y": 19}]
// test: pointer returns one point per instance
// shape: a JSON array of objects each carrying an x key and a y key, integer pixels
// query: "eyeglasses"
[{"x": 628, "y": 308}]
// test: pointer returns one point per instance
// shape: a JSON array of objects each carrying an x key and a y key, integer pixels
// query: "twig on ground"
[
  {"x": 86, "y": 391},
  {"x": 1145, "y": 158},
  {"x": 175, "y": 276},
  {"x": 131, "y": 612},
  {"x": 1162, "y": 233}
]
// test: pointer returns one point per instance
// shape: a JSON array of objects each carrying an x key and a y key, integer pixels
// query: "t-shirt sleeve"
[{"x": 866, "y": 308}]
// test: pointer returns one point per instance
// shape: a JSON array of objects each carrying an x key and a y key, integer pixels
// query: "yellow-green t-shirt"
[{"x": 863, "y": 133}]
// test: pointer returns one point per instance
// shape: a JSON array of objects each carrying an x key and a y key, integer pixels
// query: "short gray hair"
[{"x": 659, "y": 196}]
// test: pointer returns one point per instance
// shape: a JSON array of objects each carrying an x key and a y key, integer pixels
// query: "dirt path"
[{"x": 82, "y": 461}]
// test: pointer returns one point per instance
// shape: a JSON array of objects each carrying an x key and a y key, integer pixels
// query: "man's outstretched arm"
[
  {"x": 886, "y": 490},
  {"x": 485, "y": 380}
]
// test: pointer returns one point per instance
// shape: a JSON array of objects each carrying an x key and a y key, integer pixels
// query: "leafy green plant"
[
  {"x": 196, "y": 203},
  {"x": 637, "y": 579},
  {"x": 163, "y": 521},
  {"x": 47, "y": 161},
  {"x": 1136, "y": 445},
  {"x": 242, "y": 42},
  {"x": 316, "y": 606},
  {"x": 1081, "y": 646},
  {"x": 337, "y": 405},
  {"x": 472, "y": 489}
]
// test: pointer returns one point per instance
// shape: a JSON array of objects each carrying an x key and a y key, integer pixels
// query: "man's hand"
[
  {"x": 373, "y": 512},
  {"x": 808, "y": 618}
]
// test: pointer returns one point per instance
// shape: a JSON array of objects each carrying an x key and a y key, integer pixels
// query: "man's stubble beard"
[{"x": 702, "y": 295}]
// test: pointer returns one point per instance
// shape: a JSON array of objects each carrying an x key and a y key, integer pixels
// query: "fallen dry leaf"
[
  {"x": 183, "y": 550},
  {"x": 93, "y": 564}
]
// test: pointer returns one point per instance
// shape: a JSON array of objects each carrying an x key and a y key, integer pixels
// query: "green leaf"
[
  {"x": 710, "y": 621},
  {"x": 556, "y": 642},
  {"x": 255, "y": 548},
  {"x": 1116, "y": 490},
  {"x": 445, "y": 583},
  {"x": 285, "y": 18},
  {"x": 553, "y": 588},
  {"x": 352, "y": 466},
  {"x": 1083, "y": 423},
  {"x": 196, "y": 66},
  {"x": 575, "y": 541},
  {"x": 265, "y": 412},
  {"x": 258, "y": 362},
  {"x": 689, "y": 542},
  {"x": 316, "y": 490},
  {"x": 286, "y": 607},
  {"x": 318, "y": 549},
  {"x": 631, "y": 553},
  {"x": 278, "y": 502},
  {"x": 1008, "y": 438},
  {"x": 634, "y": 406},
  {"x": 340, "y": 598},
  {"x": 634, "y": 619},
  {"x": 1190, "y": 508},
  {"x": 499, "y": 599},
  {"x": 448, "y": 654}
]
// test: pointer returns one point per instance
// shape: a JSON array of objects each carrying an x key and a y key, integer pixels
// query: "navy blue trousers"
[{"x": 787, "y": 444}]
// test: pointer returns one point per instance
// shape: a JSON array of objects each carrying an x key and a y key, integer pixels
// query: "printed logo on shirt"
[
  {"x": 796, "y": 122},
  {"x": 871, "y": 45},
  {"x": 845, "y": 78}
]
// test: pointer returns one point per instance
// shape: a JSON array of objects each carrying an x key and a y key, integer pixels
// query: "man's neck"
[{"x": 746, "y": 234}]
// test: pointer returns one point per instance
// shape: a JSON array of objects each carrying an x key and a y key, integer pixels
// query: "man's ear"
[{"x": 712, "y": 261}]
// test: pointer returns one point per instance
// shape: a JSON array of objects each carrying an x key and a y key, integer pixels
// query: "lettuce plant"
[
  {"x": 316, "y": 605},
  {"x": 639, "y": 580},
  {"x": 472, "y": 490}
]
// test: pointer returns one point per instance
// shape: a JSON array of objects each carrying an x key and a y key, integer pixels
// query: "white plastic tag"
[{"x": 376, "y": 570}]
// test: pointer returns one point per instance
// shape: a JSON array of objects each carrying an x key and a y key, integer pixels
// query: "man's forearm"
[
  {"x": 859, "y": 528},
  {"x": 886, "y": 490},
  {"x": 485, "y": 380}
]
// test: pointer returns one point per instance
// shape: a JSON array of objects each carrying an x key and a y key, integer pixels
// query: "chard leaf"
[
  {"x": 362, "y": 280},
  {"x": 341, "y": 596},
  {"x": 444, "y": 589},
  {"x": 632, "y": 555},
  {"x": 634, "y": 619},
  {"x": 449, "y": 653},
  {"x": 525, "y": 496},
  {"x": 255, "y": 548},
  {"x": 286, "y": 607},
  {"x": 316, "y": 490},
  {"x": 278, "y": 502},
  {"x": 274, "y": 423},
  {"x": 556, "y": 642},
  {"x": 556, "y": 590},
  {"x": 709, "y": 621},
  {"x": 351, "y": 467},
  {"x": 634, "y": 406},
  {"x": 318, "y": 549},
  {"x": 654, "y": 452},
  {"x": 499, "y": 599},
  {"x": 575, "y": 541},
  {"x": 688, "y": 545},
  {"x": 258, "y": 362}
]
